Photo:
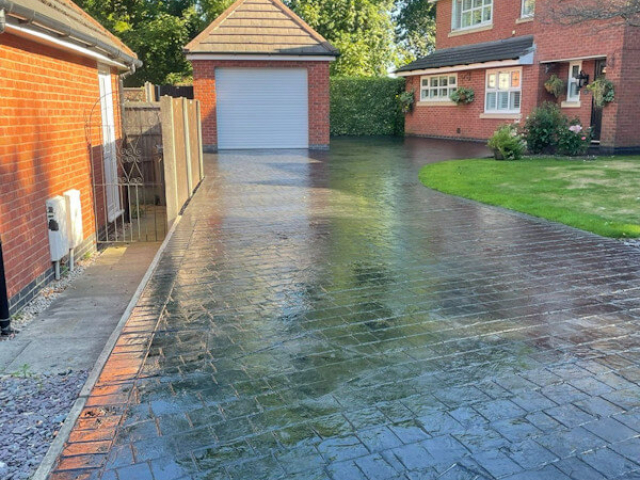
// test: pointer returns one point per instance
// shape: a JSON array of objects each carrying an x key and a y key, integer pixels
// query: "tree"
[
  {"x": 571, "y": 12},
  {"x": 156, "y": 30},
  {"x": 415, "y": 27},
  {"x": 362, "y": 30},
  {"x": 373, "y": 36}
]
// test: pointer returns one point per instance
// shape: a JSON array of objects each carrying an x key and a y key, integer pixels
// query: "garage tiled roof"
[
  {"x": 509, "y": 49},
  {"x": 264, "y": 27},
  {"x": 69, "y": 14}
]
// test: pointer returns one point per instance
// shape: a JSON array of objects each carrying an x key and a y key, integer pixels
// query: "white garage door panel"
[{"x": 262, "y": 108}]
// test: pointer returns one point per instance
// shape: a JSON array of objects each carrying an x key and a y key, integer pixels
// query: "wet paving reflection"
[{"x": 325, "y": 316}]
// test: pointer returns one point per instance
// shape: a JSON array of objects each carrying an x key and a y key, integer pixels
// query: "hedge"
[{"x": 366, "y": 106}]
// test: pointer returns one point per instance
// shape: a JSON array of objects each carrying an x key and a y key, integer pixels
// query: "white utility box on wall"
[
  {"x": 58, "y": 230},
  {"x": 74, "y": 217}
]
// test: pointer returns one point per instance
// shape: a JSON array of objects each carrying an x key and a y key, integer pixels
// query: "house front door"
[
  {"x": 596, "y": 112},
  {"x": 110, "y": 179}
]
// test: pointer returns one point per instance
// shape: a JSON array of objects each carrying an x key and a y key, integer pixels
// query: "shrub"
[
  {"x": 366, "y": 106},
  {"x": 507, "y": 143},
  {"x": 555, "y": 86},
  {"x": 574, "y": 140},
  {"x": 543, "y": 126},
  {"x": 462, "y": 95}
]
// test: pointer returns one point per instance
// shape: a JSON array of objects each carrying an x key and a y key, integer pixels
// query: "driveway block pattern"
[{"x": 329, "y": 318}]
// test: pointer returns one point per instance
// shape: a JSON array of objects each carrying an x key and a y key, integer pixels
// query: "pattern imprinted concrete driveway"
[{"x": 328, "y": 317}]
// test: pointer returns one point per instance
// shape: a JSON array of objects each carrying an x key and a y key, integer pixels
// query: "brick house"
[
  {"x": 262, "y": 77},
  {"x": 59, "y": 90},
  {"x": 505, "y": 50}
]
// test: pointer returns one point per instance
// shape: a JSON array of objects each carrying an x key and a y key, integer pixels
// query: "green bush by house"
[{"x": 366, "y": 106}]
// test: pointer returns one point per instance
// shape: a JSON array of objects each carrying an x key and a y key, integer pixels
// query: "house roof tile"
[
  {"x": 509, "y": 49},
  {"x": 260, "y": 27},
  {"x": 69, "y": 14}
]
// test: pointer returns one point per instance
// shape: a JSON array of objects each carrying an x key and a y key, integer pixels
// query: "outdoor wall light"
[{"x": 582, "y": 79}]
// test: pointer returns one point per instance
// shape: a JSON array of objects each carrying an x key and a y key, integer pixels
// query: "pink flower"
[
  {"x": 584, "y": 138},
  {"x": 575, "y": 128}
]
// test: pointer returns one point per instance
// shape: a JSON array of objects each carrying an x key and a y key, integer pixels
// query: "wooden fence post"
[
  {"x": 169, "y": 159},
  {"x": 187, "y": 143},
  {"x": 200, "y": 150}
]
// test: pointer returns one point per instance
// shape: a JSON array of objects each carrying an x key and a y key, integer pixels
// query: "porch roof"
[{"x": 509, "y": 49}]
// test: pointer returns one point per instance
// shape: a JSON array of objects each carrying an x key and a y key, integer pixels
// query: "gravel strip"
[{"x": 32, "y": 410}]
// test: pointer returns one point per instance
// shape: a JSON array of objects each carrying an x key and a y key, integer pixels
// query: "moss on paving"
[{"x": 599, "y": 195}]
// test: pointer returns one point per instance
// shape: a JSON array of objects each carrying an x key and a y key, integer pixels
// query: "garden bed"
[{"x": 598, "y": 195}]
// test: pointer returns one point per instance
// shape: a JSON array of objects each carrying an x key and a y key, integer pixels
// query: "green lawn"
[{"x": 601, "y": 196}]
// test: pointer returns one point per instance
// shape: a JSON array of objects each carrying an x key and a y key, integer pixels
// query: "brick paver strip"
[{"x": 327, "y": 317}]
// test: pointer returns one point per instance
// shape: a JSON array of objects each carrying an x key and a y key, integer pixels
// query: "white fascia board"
[
  {"x": 526, "y": 60},
  {"x": 61, "y": 44},
  {"x": 278, "y": 58},
  {"x": 575, "y": 59}
]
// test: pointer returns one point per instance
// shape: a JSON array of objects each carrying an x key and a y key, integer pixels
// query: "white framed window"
[
  {"x": 471, "y": 14},
  {"x": 503, "y": 91},
  {"x": 528, "y": 8},
  {"x": 573, "y": 92},
  {"x": 438, "y": 88}
]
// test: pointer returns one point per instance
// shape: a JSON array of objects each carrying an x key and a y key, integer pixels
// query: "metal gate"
[{"x": 127, "y": 170}]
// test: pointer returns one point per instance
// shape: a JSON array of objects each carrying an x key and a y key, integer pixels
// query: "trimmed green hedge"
[{"x": 366, "y": 106}]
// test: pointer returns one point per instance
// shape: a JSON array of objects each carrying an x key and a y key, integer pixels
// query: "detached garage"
[{"x": 262, "y": 77}]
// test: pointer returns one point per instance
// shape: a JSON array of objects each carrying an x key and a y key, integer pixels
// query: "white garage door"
[{"x": 262, "y": 108}]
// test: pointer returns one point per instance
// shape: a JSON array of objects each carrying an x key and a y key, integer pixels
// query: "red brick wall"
[
  {"x": 204, "y": 88},
  {"x": 553, "y": 42},
  {"x": 47, "y": 96},
  {"x": 444, "y": 121},
  {"x": 623, "y": 114}
]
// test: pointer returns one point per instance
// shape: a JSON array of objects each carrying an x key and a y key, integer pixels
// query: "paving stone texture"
[{"x": 325, "y": 316}]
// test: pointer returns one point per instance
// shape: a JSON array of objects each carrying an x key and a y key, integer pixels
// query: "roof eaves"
[{"x": 56, "y": 28}]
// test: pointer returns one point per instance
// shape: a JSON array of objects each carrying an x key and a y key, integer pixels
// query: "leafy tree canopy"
[
  {"x": 415, "y": 27},
  {"x": 372, "y": 35}
]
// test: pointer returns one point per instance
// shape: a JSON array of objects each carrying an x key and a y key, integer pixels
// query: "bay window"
[{"x": 503, "y": 91}]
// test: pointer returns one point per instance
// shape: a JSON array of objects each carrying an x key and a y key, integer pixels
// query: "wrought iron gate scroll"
[{"x": 137, "y": 188}]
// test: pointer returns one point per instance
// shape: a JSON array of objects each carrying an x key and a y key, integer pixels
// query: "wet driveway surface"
[{"x": 331, "y": 318}]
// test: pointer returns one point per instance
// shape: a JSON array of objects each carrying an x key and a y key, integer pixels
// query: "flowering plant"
[
  {"x": 574, "y": 140},
  {"x": 406, "y": 100},
  {"x": 555, "y": 86},
  {"x": 603, "y": 91},
  {"x": 462, "y": 95}
]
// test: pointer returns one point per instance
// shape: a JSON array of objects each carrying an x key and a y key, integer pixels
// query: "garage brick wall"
[{"x": 204, "y": 87}]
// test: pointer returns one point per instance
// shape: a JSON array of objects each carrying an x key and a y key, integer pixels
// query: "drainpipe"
[
  {"x": 5, "y": 320},
  {"x": 121, "y": 77}
]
